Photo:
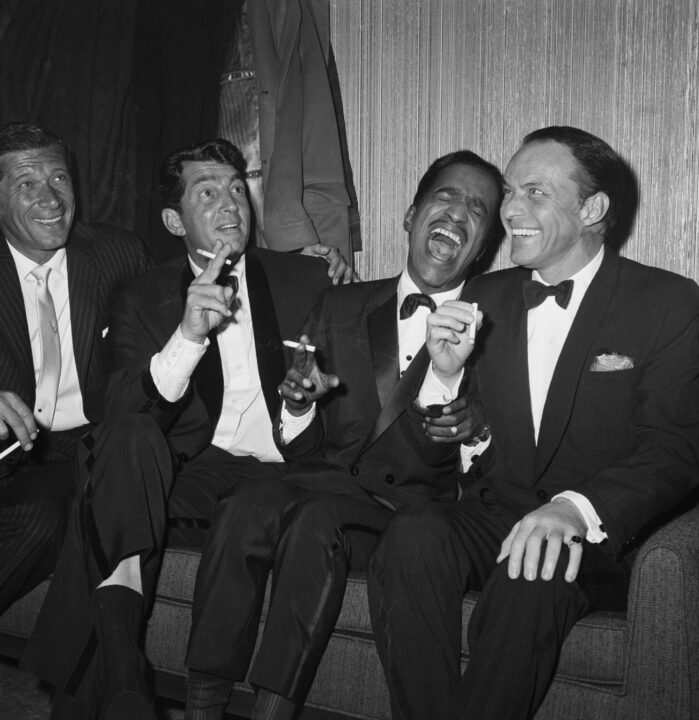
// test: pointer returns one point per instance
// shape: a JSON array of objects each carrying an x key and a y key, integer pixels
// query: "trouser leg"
[
  {"x": 328, "y": 535},
  {"x": 428, "y": 558},
  {"x": 34, "y": 503},
  {"x": 232, "y": 575}
]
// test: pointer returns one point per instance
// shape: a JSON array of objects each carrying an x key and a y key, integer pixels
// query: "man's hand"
[
  {"x": 207, "y": 304},
  {"x": 16, "y": 416},
  {"x": 448, "y": 341},
  {"x": 462, "y": 413},
  {"x": 556, "y": 522},
  {"x": 339, "y": 269},
  {"x": 304, "y": 382}
]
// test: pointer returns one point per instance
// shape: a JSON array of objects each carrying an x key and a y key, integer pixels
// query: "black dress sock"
[
  {"x": 207, "y": 696},
  {"x": 273, "y": 706}
]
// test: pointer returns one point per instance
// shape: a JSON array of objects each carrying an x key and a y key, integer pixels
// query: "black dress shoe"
[{"x": 129, "y": 706}]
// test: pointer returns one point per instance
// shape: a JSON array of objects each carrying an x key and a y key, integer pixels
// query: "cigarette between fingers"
[
  {"x": 472, "y": 326},
  {"x": 211, "y": 255},
  {"x": 292, "y": 344}
]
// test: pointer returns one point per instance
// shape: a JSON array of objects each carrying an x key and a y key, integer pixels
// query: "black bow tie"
[
  {"x": 535, "y": 293},
  {"x": 413, "y": 301}
]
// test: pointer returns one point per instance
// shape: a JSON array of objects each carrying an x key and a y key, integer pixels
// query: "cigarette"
[
  {"x": 10, "y": 449},
  {"x": 211, "y": 256},
  {"x": 472, "y": 326},
  {"x": 292, "y": 344}
]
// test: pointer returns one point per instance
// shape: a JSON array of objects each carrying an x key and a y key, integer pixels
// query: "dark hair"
[
  {"x": 600, "y": 169},
  {"x": 217, "y": 150},
  {"x": 19, "y": 136},
  {"x": 460, "y": 157}
]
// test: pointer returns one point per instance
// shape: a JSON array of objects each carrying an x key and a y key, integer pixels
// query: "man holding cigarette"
[
  {"x": 197, "y": 350},
  {"x": 356, "y": 448},
  {"x": 55, "y": 278},
  {"x": 588, "y": 373}
]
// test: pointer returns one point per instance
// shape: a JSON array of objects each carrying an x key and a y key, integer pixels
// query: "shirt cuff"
[
  {"x": 469, "y": 453},
  {"x": 434, "y": 391},
  {"x": 291, "y": 426},
  {"x": 173, "y": 366},
  {"x": 595, "y": 529}
]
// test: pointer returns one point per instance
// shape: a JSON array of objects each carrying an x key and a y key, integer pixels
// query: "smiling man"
[
  {"x": 196, "y": 347},
  {"x": 55, "y": 279},
  {"x": 356, "y": 451},
  {"x": 588, "y": 373}
]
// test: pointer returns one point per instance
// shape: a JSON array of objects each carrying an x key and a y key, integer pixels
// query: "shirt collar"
[
  {"x": 57, "y": 262},
  {"x": 407, "y": 286}
]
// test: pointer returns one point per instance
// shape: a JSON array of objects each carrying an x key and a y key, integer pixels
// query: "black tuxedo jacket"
[
  {"x": 282, "y": 288},
  {"x": 629, "y": 439},
  {"x": 365, "y": 433},
  {"x": 98, "y": 259}
]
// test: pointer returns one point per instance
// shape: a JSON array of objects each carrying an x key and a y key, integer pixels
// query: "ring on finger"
[
  {"x": 575, "y": 540},
  {"x": 454, "y": 431}
]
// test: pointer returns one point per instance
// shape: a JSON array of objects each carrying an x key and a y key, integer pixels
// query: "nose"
[
  {"x": 457, "y": 211},
  {"x": 230, "y": 202},
  {"x": 510, "y": 207},
  {"x": 48, "y": 197}
]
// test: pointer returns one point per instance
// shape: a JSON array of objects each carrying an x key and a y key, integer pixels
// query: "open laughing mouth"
[
  {"x": 444, "y": 244},
  {"x": 48, "y": 222},
  {"x": 524, "y": 232}
]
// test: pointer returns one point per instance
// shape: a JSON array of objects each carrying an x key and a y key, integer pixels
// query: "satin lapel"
[
  {"x": 268, "y": 342},
  {"x": 571, "y": 363},
  {"x": 83, "y": 289},
  {"x": 401, "y": 396},
  {"x": 14, "y": 324},
  {"x": 382, "y": 328}
]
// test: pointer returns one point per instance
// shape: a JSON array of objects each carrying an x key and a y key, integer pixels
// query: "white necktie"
[{"x": 50, "y": 368}]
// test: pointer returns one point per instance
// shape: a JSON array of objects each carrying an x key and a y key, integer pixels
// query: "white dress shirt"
[
  {"x": 244, "y": 427},
  {"x": 69, "y": 403},
  {"x": 548, "y": 325}
]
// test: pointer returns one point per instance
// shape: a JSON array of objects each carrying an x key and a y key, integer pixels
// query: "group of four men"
[{"x": 575, "y": 411}]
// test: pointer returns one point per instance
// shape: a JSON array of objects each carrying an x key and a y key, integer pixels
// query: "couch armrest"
[{"x": 663, "y": 615}]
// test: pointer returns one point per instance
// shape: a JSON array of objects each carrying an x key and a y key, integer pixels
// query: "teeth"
[
  {"x": 52, "y": 221},
  {"x": 446, "y": 233},
  {"x": 228, "y": 227},
  {"x": 523, "y": 232}
]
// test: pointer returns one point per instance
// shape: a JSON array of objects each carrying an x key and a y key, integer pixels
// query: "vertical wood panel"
[{"x": 420, "y": 78}]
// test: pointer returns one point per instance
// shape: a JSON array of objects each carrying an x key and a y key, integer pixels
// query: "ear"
[
  {"x": 594, "y": 208},
  {"x": 408, "y": 219},
  {"x": 172, "y": 221}
]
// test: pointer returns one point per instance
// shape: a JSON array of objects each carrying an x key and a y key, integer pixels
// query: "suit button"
[
  {"x": 542, "y": 494},
  {"x": 390, "y": 479},
  {"x": 354, "y": 470}
]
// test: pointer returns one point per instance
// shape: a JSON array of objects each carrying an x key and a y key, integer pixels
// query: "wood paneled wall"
[{"x": 420, "y": 78}]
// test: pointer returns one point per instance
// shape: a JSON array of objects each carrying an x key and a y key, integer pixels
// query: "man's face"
[
  {"x": 214, "y": 207},
  {"x": 448, "y": 229},
  {"x": 542, "y": 211},
  {"x": 36, "y": 201}
]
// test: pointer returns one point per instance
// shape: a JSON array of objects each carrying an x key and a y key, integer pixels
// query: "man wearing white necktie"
[
  {"x": 55, "y": 278},
  {"x": 588, "y": 374}
]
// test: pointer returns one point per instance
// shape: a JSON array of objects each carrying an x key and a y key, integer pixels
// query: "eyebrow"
[
  {"x": 214, "y": 178},
  {"x": 472, "y": 199}
]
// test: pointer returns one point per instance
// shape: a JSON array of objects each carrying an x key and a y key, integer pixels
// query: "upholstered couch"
[{"x": 642, "y": 665}]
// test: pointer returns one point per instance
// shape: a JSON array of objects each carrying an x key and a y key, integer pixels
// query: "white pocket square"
[
  {"x": 607, "y": 361},
  {"x": 104, "y": 332}
]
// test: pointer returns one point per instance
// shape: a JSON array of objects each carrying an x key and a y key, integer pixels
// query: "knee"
[{"x": 129, "y": 434}]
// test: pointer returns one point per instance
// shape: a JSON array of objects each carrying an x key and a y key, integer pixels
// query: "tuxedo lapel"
[
  {"x": 503, "y": 375},
  {"x": 13, "y": 328},
  {"x": 382, "y": 328},
  {"x": 83, "y": 291},
  {"x": 571, "y": 363},
  {"x": 268, "y": 342}
]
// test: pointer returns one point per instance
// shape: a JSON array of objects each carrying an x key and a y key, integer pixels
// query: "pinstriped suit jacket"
[{"x": 99, "y": 258}]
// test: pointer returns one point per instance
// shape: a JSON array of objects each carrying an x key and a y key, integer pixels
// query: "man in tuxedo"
[
  {"x": 587, "y": 368},
  {"x": 55, "y": 279},
  {"x": 197, "y": 351},
  {"x": 357, "y": 452}
]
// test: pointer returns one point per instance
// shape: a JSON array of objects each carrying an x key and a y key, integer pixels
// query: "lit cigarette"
[
  {"x": 10, "y": 449},
  {"x": 292, "y": 344},
  {"x": 472, "y": 326},
  {"x": 211, "y": 256}
]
